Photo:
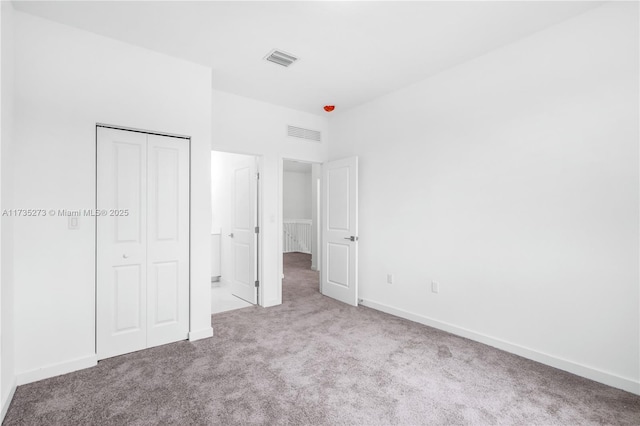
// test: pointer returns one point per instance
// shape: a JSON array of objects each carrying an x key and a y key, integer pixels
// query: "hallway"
[{"x": 300, "y": 280}]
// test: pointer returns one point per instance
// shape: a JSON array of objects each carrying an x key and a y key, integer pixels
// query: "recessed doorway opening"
[
  {"x": 300, "y": 227},
  {"x": 234, "y": 231}
]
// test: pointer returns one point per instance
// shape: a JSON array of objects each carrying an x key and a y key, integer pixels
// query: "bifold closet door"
[
  {"x": 121, "y": 241},
  {"x": 142, "y": 246},
  {"x": 167, "y": 240}
]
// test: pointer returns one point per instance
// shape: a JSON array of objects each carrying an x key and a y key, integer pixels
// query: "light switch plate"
[{"x": 74, "y": 222}]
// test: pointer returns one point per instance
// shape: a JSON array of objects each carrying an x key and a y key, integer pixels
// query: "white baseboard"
[
  {"x": 8, "y": 399},
  {"x": 609, "y": 379},
  {"x": 200, "y": 334},
  {"x": 56, "y": 369}
]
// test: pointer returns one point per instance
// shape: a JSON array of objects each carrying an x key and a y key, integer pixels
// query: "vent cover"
[
  {"x": 279, "y": 57},
  {"x": 299, "y": 132}
]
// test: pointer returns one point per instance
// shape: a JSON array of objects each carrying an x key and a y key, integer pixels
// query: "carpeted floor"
[{"x": 315, "y": 361}]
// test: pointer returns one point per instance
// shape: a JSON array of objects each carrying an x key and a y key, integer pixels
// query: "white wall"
[
  {"x": 222, "y": 168},
  {"x": 512, "y": 180},
  {"x": 247, "y": 126},
  {"x": 296, "y": 195},
  {"x": 7, "y": 336},
  {"x": 67, "y": 80}
]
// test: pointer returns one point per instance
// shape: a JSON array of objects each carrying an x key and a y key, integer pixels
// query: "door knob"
[
  {"x": 231, "y": 235},
  {"x": 351, "y": 238},
  {"x": 126, "y": 256}
]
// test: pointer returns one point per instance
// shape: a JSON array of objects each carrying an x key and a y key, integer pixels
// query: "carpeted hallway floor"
[{"x": 315, "y": 361}]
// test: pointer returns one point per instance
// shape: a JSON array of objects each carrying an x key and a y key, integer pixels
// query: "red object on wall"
[{"x": 329, "y": 108}]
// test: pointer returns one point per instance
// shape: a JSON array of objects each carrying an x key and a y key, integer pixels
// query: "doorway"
[
  {"x": 234, "y": 231},
  {"x": 300, "y": 228}
]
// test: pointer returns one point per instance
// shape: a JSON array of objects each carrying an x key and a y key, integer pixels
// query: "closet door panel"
[
  {"x": 168, "y": 240},
  {"x": 121, "y": 258}
]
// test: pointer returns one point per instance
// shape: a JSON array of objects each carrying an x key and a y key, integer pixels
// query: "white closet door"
[
  {"x": 167, "y": 240},
  {"x": 142, "y": 247},
  {"x": 121, "y": 248}
]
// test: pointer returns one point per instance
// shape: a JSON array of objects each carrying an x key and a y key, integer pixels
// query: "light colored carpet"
[{"x": 315, "y": 361}]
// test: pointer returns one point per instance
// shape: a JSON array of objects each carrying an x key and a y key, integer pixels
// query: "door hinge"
[
  {"x": 257, "y": 283},
  {"x": 257, "y": 229},
  {"x": 257, "y": 175}
]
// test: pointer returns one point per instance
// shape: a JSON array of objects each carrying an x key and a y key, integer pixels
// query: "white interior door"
[
  {"x": 340, "y": 230},
  {"x": 167, "y": 240},
  {"x": 243, "y": 232},
  {"x": 121, "y": 242},
  {"x": 142, "y": 246}
]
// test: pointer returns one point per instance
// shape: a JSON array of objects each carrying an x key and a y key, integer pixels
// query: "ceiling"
[{"x": 350, "y": 52}]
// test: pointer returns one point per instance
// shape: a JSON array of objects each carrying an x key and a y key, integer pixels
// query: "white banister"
[{"x": 296, "y": 235}]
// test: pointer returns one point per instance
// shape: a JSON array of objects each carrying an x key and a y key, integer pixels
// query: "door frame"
[
  {"x": 280, "y": 220},
  {"x": 95, "y": 237},
  {"x": 259, "y": 221}
]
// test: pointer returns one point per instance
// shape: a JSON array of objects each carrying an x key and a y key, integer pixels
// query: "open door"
[
  {"x": 340, "y": 230},
  {"x": 243, "y": 234}
]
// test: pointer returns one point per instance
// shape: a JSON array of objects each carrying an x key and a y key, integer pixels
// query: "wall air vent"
[
  {"x": 279, "y": 57},
  {"x": 299, "y": 132}
]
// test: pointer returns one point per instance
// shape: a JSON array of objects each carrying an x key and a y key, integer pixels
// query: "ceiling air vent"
[
  {"x": 299, "y": 132},
  {"x": 279, "y": 57}
]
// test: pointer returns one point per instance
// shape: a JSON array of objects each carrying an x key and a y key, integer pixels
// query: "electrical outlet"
[
  {"x": 389, "y": 278},
  {"x": 435, "y": 287}
]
